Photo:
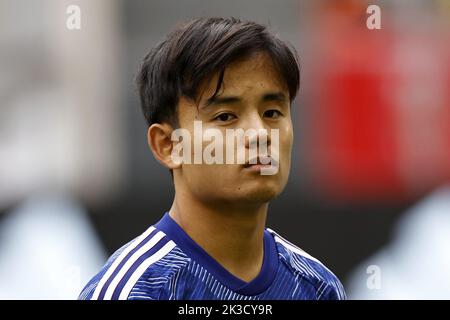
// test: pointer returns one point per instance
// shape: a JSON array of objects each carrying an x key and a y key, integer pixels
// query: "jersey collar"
[{"x": 258, "y": 285}]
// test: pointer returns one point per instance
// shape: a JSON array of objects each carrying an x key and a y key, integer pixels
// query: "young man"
[{"x": 221, "y": 75}]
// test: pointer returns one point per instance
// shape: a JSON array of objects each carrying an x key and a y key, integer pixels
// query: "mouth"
[{"x": 260, "y": 162}]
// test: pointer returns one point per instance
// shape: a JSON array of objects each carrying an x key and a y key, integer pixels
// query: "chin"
[{"x": 260, "y": 193}]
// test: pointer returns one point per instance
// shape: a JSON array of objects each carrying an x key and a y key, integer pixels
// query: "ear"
[{"x": 160, "y": 142}]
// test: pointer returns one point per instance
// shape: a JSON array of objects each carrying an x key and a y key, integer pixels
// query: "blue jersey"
[{"x": 165, "y": 263}]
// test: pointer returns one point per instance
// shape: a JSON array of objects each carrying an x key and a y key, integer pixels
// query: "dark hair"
[{"x": 197, "y": 50}]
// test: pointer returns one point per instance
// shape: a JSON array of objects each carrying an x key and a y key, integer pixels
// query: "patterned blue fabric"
[{"x": 164, "y": 263}]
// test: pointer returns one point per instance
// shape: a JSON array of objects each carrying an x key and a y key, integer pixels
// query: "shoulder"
[
  {"x": 299, "y": 262},
  {"x": 88, "y": 290},
  {"x": 138, "y": 270}
]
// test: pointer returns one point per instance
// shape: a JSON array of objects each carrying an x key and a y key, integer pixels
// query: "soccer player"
[{"x": 213, "y": 243}]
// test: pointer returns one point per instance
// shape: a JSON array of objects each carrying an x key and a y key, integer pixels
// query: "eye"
[
  {"x": 272, "y": 113},
  {"x": 224, "y": 117}
]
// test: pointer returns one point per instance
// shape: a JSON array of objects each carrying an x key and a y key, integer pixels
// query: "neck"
[{"x": 231, "y": 234}]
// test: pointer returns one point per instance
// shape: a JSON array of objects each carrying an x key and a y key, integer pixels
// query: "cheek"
[
  {"x": 212, "y": 181},
  {"x": 286, "y": 142},
  {"x": 209, "y": 175}
]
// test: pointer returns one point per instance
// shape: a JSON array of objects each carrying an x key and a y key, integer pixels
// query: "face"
[{"x": 252, "y": 96}]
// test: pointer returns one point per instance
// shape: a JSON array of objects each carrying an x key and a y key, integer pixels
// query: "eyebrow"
[
  {"x": 274, "y": 96},
  {"x": 268, "y": 97},
  {"x": 214, "y": 101}
]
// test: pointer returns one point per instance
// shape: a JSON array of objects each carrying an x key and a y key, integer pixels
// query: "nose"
[{"x": 258, "y": 135}]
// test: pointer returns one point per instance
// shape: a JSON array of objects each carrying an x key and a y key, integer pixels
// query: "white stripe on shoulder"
[
  {"x": 142, "y": 267},
  {"x": 118, "y": 260},
  {"x": 141, "y": 251},
  {"x": 294, "y": 248}
]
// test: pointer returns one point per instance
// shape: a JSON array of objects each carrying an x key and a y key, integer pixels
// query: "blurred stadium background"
[{"x": 369, "y": 190}]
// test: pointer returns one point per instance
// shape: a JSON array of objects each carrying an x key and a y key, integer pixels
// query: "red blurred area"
[{"x": 381, "y": 105}]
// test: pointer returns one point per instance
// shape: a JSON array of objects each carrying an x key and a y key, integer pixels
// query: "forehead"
[{"x": 252, "y": 75}]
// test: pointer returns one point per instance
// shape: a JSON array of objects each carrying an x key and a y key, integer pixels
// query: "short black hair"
[{"x": 199, "y": 49}]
